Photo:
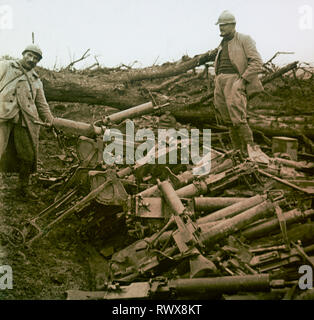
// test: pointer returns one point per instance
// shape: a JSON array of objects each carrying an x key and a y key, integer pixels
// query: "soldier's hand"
[{"x": 48, "y": 124}]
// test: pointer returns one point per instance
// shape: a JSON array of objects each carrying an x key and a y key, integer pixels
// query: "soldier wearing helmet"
[
  {"x": 22, "y": 104},
  {"x": 237, "y": 65}
]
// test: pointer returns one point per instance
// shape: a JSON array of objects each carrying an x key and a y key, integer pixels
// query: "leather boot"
[
  {"x": 24, "y": 190},
  {"x": 235, "y": 138},
  {"x": 246, "y": 138},
  {"x": 25, "y": 193}
]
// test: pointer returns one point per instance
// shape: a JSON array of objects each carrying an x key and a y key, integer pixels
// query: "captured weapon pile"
[
  {"x": 244, "y": 226},
  {"x": 196, "y": 228}
]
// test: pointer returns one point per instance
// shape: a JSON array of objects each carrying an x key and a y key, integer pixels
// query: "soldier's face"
[
  {"x": 226, "y": 29},
  {"x": 30, "y": 60}
]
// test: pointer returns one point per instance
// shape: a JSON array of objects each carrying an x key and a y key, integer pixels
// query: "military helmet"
[
  {"x": 35, "y": 49},
  {"x": 226, "y": 17}
]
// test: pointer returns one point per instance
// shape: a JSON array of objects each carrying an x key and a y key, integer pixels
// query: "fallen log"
[
  {"x": 71, "y": 87},
  {"x": 279, "y": 72},
  {"x": 112, "y": 89},
  {"x": 171, "y": 70}
]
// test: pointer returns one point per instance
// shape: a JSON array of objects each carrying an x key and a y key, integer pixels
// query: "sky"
[{"x": 151, "y": 31}]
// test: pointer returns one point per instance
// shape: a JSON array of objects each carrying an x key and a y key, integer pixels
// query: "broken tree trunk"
[
  {"x": 112, "y": 89},
  {"x": 169, "y": 70},
  {"x": 72, "y": 87}
]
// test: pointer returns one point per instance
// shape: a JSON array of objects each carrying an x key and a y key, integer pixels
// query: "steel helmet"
[
  {"x": 35, "y": 49},
  {"x": 226, "y": 17}
]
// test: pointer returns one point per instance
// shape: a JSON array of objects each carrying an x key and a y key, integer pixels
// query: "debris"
[
  {"x": 174, "y": 230},
  {"x": 287, "y": 146}
]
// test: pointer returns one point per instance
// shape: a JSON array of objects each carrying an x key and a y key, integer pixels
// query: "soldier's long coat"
[
  {"x": 19, "y": 92},
  {"x": 245, "y": 59}
]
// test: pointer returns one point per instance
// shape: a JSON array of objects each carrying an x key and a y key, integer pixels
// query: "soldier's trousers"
[
  {"x": 230, "y": 99},
  {"x": 230, "y": 102},
  {"x": 23, "y": 146}
]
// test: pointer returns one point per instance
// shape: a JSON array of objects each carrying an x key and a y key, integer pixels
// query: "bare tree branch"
[
  {"x": 93, "y": 65},
  {"x": 277, "y": 54},
  {"x": 84, "y": 56}
]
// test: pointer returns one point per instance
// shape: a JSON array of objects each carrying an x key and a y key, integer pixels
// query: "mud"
[{"x": 60, "y": 261}]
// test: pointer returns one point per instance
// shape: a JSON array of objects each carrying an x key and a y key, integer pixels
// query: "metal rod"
[{"x": 233, "y": 209}]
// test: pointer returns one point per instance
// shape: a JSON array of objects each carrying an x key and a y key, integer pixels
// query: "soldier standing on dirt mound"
[
  {"x": 22, "y": 103},
  {"x": 237, "y": 65}
]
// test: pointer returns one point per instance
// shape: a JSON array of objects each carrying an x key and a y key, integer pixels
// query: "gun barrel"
[
  {"x": 171, "y": 197},
  {"x": 273, "y": 224},
  {"x": 131, "y": 112},
  {"x": 227, "y": 284},
  {"x": 76, "y": 127},
  {"x": 188, "y": 189},
  {"x": 85, "y": 129},
  {"x": 184, "y": 288},
  {"x": 210, "y": 204},
  {"x": 233, "y": 209},
  {"x": 228, "y": 226}
]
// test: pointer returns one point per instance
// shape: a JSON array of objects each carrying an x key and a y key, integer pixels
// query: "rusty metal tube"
[
  {"x": 210, "y": 236},
  {"x": 193, "y": 189},
  {"x": 185, "y": 178},
  {"x": 124, "y": 172},
  {"x": 171, "y": 197},
  {"x": 76, "y": 127},
  {"x": 293, "y": 164},
  {"x": 233, "y": 209},
  {"x": 200, "y": 187},
  {"x": 227, "y": 284},
  {"x": 266, "y": 227},
  {"x": 210, "y": 204},
  {"x": 85, "y": 129},
  {"x": 131, "y": 112}
]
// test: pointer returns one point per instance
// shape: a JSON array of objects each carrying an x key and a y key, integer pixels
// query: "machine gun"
[
  {"x": 90, "y": 143},
  {"x": 186, "y": 235},
  {"x": 186, "y": 245},
  {"x": 190, "y": 238},
  {"x": 91, "y": 130},
  {"x": 282, "y": 257},
  {"x": 201, "y": 288},
  {"x": 147, "y": 260}
]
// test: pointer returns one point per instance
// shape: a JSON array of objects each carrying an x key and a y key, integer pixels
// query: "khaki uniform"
[
  {"x": 231, "y": 91},
  {"x": 230, "y": 99},
  {"x": 22, "y": 101}
]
